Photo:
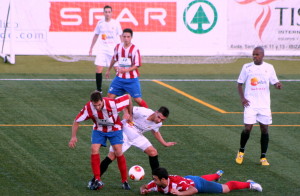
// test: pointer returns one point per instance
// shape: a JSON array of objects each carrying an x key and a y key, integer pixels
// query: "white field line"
[{"x": 146, "y": 80}]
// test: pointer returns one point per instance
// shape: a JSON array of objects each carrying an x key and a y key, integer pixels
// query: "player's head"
[
  {"x": 161, "y": 114},
  {"x": 160, "y": 177},
  {"x": 127, "y": 36},
  {"x": 107, "y": 10},
  {"x": 96, "y": 99},
  {"x": 258, "y": 55}
]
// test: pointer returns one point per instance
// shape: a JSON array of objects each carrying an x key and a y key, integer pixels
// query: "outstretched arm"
[
  {"x": 73, "y": 139},
  {"x": 128, "y": 111},
  {"x": 159, "y": 138},
  {"x": 144, "y": 190},
  {"x": 191, "y": 191}
]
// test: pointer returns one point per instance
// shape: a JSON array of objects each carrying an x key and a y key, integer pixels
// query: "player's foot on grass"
[
  {"x": 220, "y": 173},
  {"x": 239, "y": 158},
  {"x": 255, "y": 186},
  {"x": 126, "y": 186},
  {"x": 91, "y": 182},
  {"x": 264, "y": 162},
  {"x": 98, "y": 184}
]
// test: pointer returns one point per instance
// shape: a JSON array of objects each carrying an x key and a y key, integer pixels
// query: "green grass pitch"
[{"x": 36, "y": 117}]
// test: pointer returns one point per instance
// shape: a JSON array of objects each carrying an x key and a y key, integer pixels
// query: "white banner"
[{"x": 161, "y": 27}]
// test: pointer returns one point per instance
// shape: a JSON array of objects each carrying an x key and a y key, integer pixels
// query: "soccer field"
[{"x": 40, "y": 97}]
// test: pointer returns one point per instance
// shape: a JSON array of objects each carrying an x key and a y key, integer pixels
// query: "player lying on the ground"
[
  {"x": 172, "y": 184},
  {"x": 143, "y": 120}
]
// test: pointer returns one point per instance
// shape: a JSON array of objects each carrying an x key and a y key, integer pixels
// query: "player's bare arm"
[
  {"x": 161, "y": 140},
  {"x": 191, "y": 191},
  {"x": 244, "y": 101},
  {"x": 144, "y": 190},
  {"x": 128, "y": 110},
  {"x": 112, "y": 62},
  {"x": 278, "y": 85},
  {"x": 73, "y": 139},
  {"x": 95, "y": 38}
]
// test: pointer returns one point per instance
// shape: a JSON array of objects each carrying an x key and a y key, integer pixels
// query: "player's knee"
[
  {"x": 225, "y": 188},
  {"x": 152, "y": 152}
]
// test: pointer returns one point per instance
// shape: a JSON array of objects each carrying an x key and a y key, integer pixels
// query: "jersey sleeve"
[
  {"x": 119, "y": 29},
  {"x": 97, "y": 28},
  {"x": 122, "y": 102},
  {"x": 243, "y": 75},
  {"x": 137, "y": 60},
  {"x": 82, "y": 115},
  {"x": 151, "y": 186}
]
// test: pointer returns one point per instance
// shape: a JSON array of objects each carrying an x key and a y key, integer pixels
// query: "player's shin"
[
  {"x": 122, "y": 167},
  {"x": 154, "y": 162},
  {"x": 104, "y": 165},
  {"x": 95, "y": 161}
]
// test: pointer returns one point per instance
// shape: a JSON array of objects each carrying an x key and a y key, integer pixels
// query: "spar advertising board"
[{"x": 161, "y": 27}]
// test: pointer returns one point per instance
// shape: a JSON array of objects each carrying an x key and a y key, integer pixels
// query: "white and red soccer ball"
[{"x": 136, "y": 173}]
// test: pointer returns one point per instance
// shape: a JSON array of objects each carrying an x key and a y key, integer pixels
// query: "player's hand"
[
  {"x": 107, "y": 74},
  {"x": 168, "y": 144},
  {"x": 72, "y": 142},
  {"x": 144, "y": 191},
  {"x": 122, "y": 70},
  {"x": 278, "y": 85},
  {"x": 245, "y": 102},
  {"x": 127, "y": 117},
  {"x": 174, "y": 191}
]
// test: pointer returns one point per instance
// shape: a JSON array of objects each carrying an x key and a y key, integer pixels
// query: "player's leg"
[
  {"x": 111, "y": 155},
  {"x": 134, "y": 89},
  {"x": 205, "y": 186},
  {"x": 153, "y": 157},
  {"x": 249, "y": 120},
  {"x": 98, "y": 140},
  {"x": 237, "y": 185},
  {"x": 213, "y": 177},
  {"x": 265, "y": 119},
  {"x": 116, "y": 141},
  {"x": 100, "y": 62}
]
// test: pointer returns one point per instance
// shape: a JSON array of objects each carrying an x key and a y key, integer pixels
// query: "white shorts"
[
  {"x": 136, "y": 139},
  {"x": 254, "y": 115},
  {"x": 103, "y": 59}
]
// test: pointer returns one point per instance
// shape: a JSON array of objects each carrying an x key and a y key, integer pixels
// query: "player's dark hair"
[
  {"x": 164, "y": 111},
  {"x": 260, "y": 48},
  {"x": 96, "y": 96},
  {"x": 107, "y": 7},
  {"x": 160, "y": 173},
  {"x": 128, "y": 30}
]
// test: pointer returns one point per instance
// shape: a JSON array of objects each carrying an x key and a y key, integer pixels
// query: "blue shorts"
[
  {"x": 119, "y": 86},
  {"x": 115, "y": 137},
  {"x": 204, "y": 186}
]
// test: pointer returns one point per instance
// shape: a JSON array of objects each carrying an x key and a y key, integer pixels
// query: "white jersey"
[
  {"x": 109, "y": 34},
  {"x": 257, "y": 79}
]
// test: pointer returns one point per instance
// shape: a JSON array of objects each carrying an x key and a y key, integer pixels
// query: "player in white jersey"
[
  {"x": 256, "y": 101},
  {"x": 110, "y": 32},
  {"x": 144, "y": 120},
  {"x": 128, "y": 57}
]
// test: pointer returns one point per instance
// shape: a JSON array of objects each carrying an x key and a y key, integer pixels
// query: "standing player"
[
  {"x": 144, "y": 120},
  {"x": 129, "y": 59},
  {"x": 256, "y": 101},
  {"x": 107, "y": 125},
  {"x": 110, "y": 31},
  {"x": 189, "y": 185}
]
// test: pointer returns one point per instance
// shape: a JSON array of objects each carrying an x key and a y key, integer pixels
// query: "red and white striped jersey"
[
  {"x": 132, "y": 55},
  {"x": 107, "y": 119},
  {"x": 176, "y": 182}
]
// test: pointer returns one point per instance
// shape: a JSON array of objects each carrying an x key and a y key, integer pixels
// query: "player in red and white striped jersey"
[
  {"x": 107, "y": 125},
  {"x": 189, "y": 185},
  {"x": 127, "y": 77}
]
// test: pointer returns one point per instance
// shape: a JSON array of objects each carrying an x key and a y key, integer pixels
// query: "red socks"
[
  {"x": 234, "y": 185},
  {"x": 95, "y": 162},
  {"x": 122, "y": 167},
  {"x": 211, "y": 177},
  {"x": 143, "y": 104}
]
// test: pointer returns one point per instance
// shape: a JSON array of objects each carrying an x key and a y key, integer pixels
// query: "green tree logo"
[{"x": 200, "y": 22}]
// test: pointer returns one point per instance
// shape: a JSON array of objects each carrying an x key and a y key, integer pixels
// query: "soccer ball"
[{"x": 136, "y": 173}]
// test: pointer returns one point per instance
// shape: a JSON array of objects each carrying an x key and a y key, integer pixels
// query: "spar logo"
[
  {"x": 200, "y": 16},
  {"x": 78, "y": 16},
  {"x": 263, "y": 19},
  {"x": 255, "y": 81}
]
